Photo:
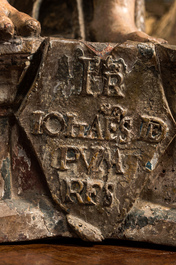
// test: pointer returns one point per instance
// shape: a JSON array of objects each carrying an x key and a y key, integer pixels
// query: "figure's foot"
[
  {"x": 119, "y": 36},
  {"x": 114, "y": 21},
  {"x": 142, "y": 37},
  {"x": 12, "y": 21}
]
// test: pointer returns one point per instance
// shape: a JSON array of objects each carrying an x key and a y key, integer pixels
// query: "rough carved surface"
[{"x": 88, "y": 129}]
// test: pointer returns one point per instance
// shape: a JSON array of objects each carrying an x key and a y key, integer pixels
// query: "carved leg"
[
  {"x": 11, "y": 20},
  {"x": 114, "y": 21}
]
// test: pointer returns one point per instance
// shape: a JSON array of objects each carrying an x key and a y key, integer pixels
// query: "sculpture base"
[{"x": 87, "y": 141}]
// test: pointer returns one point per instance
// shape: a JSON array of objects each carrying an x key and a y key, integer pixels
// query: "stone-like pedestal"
[{"x": 87, "y": 141}]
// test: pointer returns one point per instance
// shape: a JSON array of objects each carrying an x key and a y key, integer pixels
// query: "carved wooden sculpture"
[
  {"x": 113, "y": 21},
  {"x": 87, "y": 140}
]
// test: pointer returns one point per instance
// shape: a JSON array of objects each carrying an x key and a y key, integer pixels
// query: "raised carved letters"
[
  {"x": 64, "y": 155},
  {"x": 86, "y": 192},
  {"x": 153, "y": 129},
  {"x": 93, "y": 76},
  {"x": 104, "y": 77},
  {"x": 86, "y": 167},
  {"x": 111, "y": 125}
]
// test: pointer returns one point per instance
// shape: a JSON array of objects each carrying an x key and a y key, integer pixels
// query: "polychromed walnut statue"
[{"x": 87, "y": 131}]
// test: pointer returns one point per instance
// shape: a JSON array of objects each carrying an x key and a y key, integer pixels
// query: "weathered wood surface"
[{"x": 87, "y": 141}]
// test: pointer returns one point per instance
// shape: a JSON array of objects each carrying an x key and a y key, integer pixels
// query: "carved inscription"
[
  {"x": 104, "y": 77},
  {"x": 86, "y": 191},
  {"x": 92, "y": 76},
  {"x": 153, "y": 129},
  {"x": 93, "y": 191},
  {"x": 90, "y": 154},
  {"x": 112, "y": 124},
  {"x": 64, "y": 155}
]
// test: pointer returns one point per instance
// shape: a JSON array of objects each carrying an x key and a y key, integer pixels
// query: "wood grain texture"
[{"x": 78, "y": 252}]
